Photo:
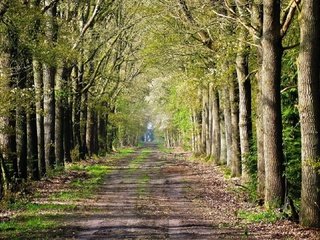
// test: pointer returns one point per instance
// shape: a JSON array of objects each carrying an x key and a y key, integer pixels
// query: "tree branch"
[
  {"x": 88, "y": 23},
  {"x": 47, "y": 7},
  {"x": 291, "y": 47},
  {"x": 3, "y": 7},
  {"x": 204, "y": 36},
  {"x": 288, "y": 17}
]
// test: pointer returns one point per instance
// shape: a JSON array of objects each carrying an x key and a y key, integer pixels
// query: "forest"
[{"x": 235, "y": 82}]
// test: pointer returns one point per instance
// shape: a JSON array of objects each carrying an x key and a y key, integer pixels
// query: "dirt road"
[
  {"x": 147, "y": 196},
  {"x": 153, "y": 195}
]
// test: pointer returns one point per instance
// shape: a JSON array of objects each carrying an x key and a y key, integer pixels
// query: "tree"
[
  {"x": 308, "y": 86},
  {"x": 272, "y": 125},
  {"x": 49, "y": 71}
]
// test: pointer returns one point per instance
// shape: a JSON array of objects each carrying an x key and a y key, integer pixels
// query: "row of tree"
[
  {"x": 243, "y": 100},
  {"x": 65, "y": 69}
]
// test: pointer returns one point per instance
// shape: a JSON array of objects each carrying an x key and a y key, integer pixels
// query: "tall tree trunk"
[
  {"x": 32, "y": 150},
  {"x": 257, "y": 24},
  {"x": 216, "y": 144},
  {"x": 77, "y": 79},
  {"x": 90, "y": 132},
  {"x": 245, "y": 124},
  {"x": 67, "y": 129},
  {"x": 7, "y": 120},
  {"x": 102, "y": 131},
  {"x": 272, "y": 125},
  {"x": 309, "y": 99},
  {"x": 223, "y": 143},
  {"x": 21, "y": 142},
  {"x": 228, "y": 124},
  {"x": 38, "y": 84},
  {"x": 59, "y": 115},
  {"x": 204, "y": 126},
  {"x": 21, "y": 117},
  {"x": 209, "y": 121},
  {"x": 83, "y": 126},
  {"x": 95, "y": 133},
  {"x": 48, "y": 86},
  {"x": 235, "y": 158},
  {"x": 49, "y": 116}
]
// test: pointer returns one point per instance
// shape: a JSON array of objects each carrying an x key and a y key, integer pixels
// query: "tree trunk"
[
  {"x": 235, "y": 158},
  {"x": 223, "y": 141},
  {"x": 49, "y": 116},
  {"x": 21, "y": 117},
  {"x": 83, "y": 124},
  {"x": 257, "y": 24},
  {"x": 21, "y": 142},
  {"x": 309, "y": 99},
  {"x": 204, "y": 125},
  {"x": 90, "y": 132},
  {"x": 76, "y": 103},
  {"x": 38, "y": 85},
  {"x": 32, "y": 150},
  {"x": 216, "y": 144},
  {"x": 209, "y": 121},
  {"x": 245, "y": 124},
  {"x": 59, "y": 116},
  {"x": 7, "y": 120},
  {"x": 102, "y": 131},
  {"x": 67, "y": 130},
  {"x": 48, "y": 94},
  {"x": 228, "y": 125},
  {"x": 272, "y": 125}
]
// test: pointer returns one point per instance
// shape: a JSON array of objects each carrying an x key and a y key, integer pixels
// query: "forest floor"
[{"x": 143, "y": 194}]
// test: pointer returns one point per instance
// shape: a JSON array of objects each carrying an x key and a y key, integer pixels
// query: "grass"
[
  {"x": 123, "y": 152},
  {"x": 135, "y": 164},
  {"x": 164, "y": 149},
  {"x": 265, "y": 216},
  {"x": 142, "y": 183},
  {"x": 40, "y": 217},
  {"x": 83, "y": 188},
  {"x": 226, "y": 172},
  {"x": 19, "y": 225},
  {"x": 33, "y": 217}
]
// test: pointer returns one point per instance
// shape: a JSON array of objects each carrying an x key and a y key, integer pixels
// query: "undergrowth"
[{"x": 265, "y": 216}]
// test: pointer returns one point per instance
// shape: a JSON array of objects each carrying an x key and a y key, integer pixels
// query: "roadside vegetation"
[{"x": 51, "y": 200}]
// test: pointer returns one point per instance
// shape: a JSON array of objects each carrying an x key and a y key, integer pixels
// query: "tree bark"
[
  {"x": 245, "y": 124},
  {"x": 102, "y": 131},
  {"x": 235, "y": 157},
  {"x": 90, "y": 132},
  {"x": 272, "y": 125},
  {"x": 204, "y": 125},
  {"x": 59, "y": 114},
  {"x": 32, "y": 150},
  {"x": 76, "y": 105},
  {"x": 49, "y": 116},
  {"x": 48, "y": 94},
  {"x": 67, "y": 129},
  {"x": 209, "y": 122},
  {"x": 83, "y": 124},
  {"x": 228, "y": 125},
  {"x": 216, "y": 144},
  {"x": 38, "y": 85},
  {"x": 21, "y": 142},
  {"x": 7, "y": 120},
  {"x": 309, "y": 99},
  {"x": 256, "y": 20}
]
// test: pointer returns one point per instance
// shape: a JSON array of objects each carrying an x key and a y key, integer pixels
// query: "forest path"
[
  {"x": 150, "y": 196},
  {"x": 156, "y": 195}
]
